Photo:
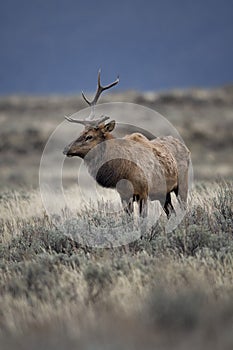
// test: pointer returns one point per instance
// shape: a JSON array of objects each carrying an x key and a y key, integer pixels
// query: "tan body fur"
[{"x": 136, "y": 167}]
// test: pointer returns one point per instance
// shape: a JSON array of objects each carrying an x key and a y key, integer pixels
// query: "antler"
[
  {"x": 99, "y": 90},
  {"x": 90, "y": 119}
]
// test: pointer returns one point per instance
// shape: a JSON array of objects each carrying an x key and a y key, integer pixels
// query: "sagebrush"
[{"x": 163, "y": 289}]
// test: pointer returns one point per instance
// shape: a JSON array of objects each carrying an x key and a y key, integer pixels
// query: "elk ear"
[{"x": 109, "y": 126}]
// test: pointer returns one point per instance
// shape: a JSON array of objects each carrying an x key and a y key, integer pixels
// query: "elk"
[{"x": 138, "y": 168}]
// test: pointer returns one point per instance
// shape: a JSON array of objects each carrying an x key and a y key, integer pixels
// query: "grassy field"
[{"x": 162, "y": 291}]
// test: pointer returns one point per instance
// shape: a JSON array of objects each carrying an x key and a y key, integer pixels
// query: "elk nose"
[{"x": 66, "y": 150}]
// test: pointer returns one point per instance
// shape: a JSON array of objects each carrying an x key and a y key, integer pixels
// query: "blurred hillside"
[{"x": 204, "y": 119}]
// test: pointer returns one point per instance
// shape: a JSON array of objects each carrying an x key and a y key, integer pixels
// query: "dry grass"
[{"x": 161, "y": 291}]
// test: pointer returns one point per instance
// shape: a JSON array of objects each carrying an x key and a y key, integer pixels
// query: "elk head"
[{"x": 95, "y": 130}]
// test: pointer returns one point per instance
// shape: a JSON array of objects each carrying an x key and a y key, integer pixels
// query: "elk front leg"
[
  {"x": 127, "y": 205},
  {"x": 125, "y": 190}
]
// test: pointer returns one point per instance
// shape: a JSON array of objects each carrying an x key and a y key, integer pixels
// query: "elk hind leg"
[
  {"x": 143, "y": 208},
  {"x": 182, "y": 190},
  {"x": 168, "y": 207}
]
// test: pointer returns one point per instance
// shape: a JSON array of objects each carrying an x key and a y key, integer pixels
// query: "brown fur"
[{"x": 138, "y": 168}]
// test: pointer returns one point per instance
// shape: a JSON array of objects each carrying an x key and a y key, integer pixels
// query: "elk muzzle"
[{"x": 68, "y": 151}]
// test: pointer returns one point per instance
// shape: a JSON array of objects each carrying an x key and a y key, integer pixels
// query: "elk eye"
[{"x": 88, "y": 137}]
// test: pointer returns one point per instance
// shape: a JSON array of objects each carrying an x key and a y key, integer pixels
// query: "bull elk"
[{"x": 138, "y": 168}]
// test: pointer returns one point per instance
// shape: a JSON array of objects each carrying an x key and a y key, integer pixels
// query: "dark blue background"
[{"x": 50, "y": 46}]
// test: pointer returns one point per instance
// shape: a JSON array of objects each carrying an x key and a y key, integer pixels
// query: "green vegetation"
[{"x": 165, "y": 290}]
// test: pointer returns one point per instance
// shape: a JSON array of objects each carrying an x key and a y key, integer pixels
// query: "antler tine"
[
  {"x": 88, "y": 122},
  {"x": 90, "y": 119},
  {"x": 99, "y": 90},
  {"x": 83, "y": 122},
  {"x": 84, "y": 97}
]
